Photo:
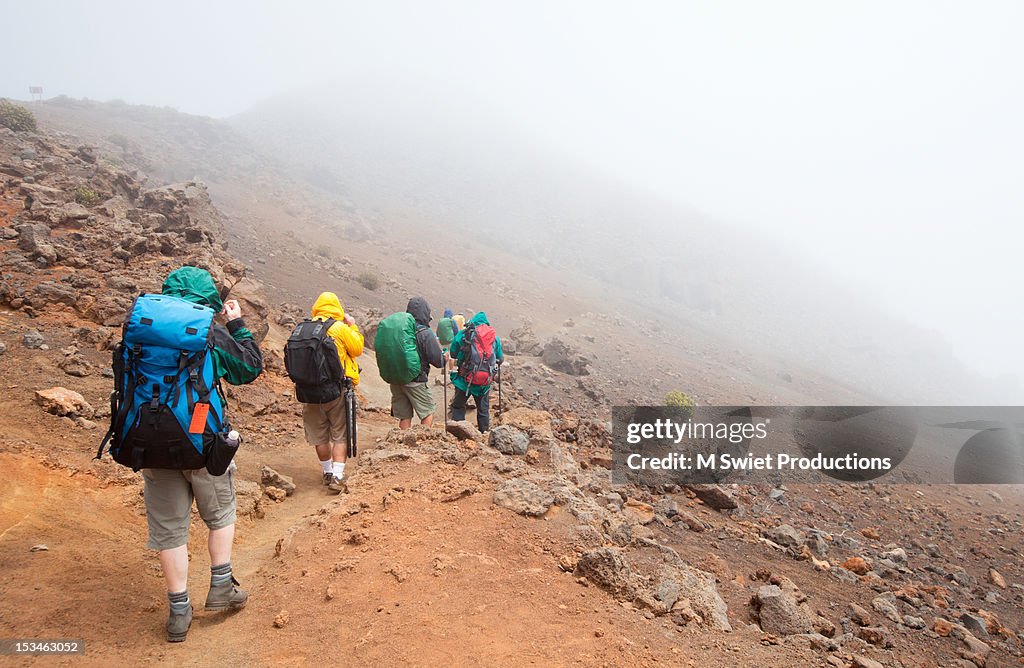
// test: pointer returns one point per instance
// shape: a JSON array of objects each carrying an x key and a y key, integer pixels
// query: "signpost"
[{"x": 36, "y": 92}]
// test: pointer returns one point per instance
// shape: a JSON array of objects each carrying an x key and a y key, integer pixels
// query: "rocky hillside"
[
  {"x": 288, "y": 226},
  {"x": 82, "y": 237}
]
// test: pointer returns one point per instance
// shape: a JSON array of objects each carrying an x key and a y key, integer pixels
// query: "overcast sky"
[{"x": 885, "y": 139}]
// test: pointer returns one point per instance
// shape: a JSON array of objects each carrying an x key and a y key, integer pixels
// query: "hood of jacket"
[
  {"x": 420, "y": 310},
  {"x": 479, "y": 319},
  {"x": 195, "y": 285},
  {"x": 447, "y": 313},
  {"x": 327, "y": 305}
]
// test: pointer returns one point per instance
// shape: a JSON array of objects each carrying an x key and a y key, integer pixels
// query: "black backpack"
[{"x": 312, "y": 361}]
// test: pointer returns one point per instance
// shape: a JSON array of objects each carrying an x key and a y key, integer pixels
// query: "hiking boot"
[
  {"x": 328, "y": 477},
  {"x": 226, "y": 596},
  {"x": 338, "y": 485},
  {"x": 178, "y": 625}
]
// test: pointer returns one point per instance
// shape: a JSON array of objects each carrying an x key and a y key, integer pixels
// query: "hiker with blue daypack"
[
  {"x": 406, "y": 348},
  {"x": 168, "y": 420},
  {"x": 476, "y": 353}
]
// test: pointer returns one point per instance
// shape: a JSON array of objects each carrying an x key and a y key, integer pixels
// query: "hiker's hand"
[
  {"x": 232, "y": 310},
  {"x": 348, "y": 320}
]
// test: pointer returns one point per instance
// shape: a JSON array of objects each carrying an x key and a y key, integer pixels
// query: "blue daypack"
[{"x": 166, "y": 409}]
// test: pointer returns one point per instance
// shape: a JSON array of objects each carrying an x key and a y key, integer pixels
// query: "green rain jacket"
[
  {"x": 456, "y": 353},
  {"x": 236, "y": 356}
]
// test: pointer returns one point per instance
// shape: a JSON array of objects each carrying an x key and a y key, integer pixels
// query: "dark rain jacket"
[{"x": 427, "y": 344}]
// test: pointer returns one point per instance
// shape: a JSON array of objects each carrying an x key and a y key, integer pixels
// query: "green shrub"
[
  {"x": 368, "y": 280},
  {"x": 120, "y": 141},
  {"x": 86, "y": 195},
  {"x": 16, "y": 117},
  {"x": 679, "y": 399},
  {"x": 323, "y": 251}
]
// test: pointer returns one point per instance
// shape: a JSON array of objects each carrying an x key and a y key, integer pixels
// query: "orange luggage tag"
[{"x": 199, "y": 414}]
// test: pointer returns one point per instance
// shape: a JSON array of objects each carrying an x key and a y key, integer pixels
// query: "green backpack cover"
[
  {"x": 445, "y": 331},
  {"x": 398, "y": 360}
]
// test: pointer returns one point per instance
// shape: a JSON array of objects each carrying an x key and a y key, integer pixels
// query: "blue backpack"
[{"x": 166, "y": 410}]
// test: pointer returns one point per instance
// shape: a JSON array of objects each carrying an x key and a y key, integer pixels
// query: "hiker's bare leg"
[
  {"x": 339, "y": 452},
  {"x": 405, "y": 424},
  {"x": 429, "y": 420},
  {"x": 174, "y": 563},
  {"x": 323, "y": 452},
  {"x": 220, "y": 544}
]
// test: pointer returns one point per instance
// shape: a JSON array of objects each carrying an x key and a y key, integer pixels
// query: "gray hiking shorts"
[
  {"x": 169, "y": 496},
  {"x": 411, "y": 397}
]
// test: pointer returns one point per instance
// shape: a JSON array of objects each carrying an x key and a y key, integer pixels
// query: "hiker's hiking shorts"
[
  {"x": 169, "y": 496},
  {"x": 324, "y": 423},
  {"x": 411, "y": 397}
]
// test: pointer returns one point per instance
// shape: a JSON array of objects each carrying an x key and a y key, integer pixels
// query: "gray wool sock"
[
  {"x": 179, "y": 602},
  {"x": 220, "y": 575}
]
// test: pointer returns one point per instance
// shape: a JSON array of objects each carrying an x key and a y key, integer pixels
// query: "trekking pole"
[
  {"x": 444, "y": 384},
  {"x": 499, "y": 389},
  {"x": 350, "y": 421}
]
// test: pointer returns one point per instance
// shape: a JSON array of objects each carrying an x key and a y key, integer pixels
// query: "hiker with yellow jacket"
[{"x": 321, "y": 387}]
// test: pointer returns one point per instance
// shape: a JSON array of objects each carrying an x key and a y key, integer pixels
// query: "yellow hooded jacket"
[{"x": 347, "y": 338}]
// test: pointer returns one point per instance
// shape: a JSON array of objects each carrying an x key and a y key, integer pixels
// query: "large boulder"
[
  {"x": 508, "y": 440},
  {"x": 509, "y": 347},
  {"x": 534, "y": 422},
  {"x": 49, "y": 292},
  {"x": 39, "y": 196},
  {"x": 271, "y": 478},
  {"x": 34, "y": 238},
  {"x": 561, "y": 357},
  {"x": 33, "y": 339},
  {"x": 464, "y": 431},
  {"x": 524, "y": 497},
  {"x": 659, "y": 580},
  {"x": 782, "y": 609},
  {"x": 64, "y": 402},
  {"x": 185, "y": 208},
  {"x": 784, "y": 535},
  {"x": 713, "y": 496},
  {"x": 72, "y": 214},
  {"x": 525, "y": 341},
  {"x": 780, "y": 612}
]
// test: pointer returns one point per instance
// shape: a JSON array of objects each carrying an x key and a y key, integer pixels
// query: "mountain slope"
[
  {"x": 433, "y": 160},
  {"x": 445, "y": 550}
]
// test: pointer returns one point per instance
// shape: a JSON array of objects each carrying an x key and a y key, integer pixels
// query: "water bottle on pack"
[{"x": 222, "y": 452}]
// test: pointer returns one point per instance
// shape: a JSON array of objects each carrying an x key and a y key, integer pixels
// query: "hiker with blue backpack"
[
  {"x": 477, "y": 355},
  {"x": 168, "y": 419},
  {"x": 320, "y": 357},
  {"x": 406, "y": 348}
]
